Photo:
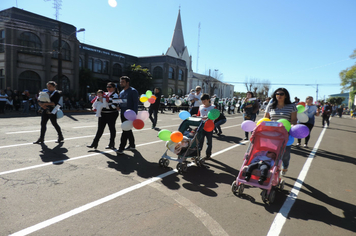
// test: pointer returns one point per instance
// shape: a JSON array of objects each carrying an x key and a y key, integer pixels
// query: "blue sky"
[{"x": 283, "y": 41}]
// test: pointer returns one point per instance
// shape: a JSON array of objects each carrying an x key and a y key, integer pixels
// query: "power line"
[{"x": 231, "y": 82}]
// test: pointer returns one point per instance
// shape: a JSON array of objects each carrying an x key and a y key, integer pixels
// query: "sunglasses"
[
  {"x": 280, "y": 94},
  {"x": 108, "y": 87}
]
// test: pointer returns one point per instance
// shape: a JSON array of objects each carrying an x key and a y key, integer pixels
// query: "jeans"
[
  {"x": 44, "y": 119},
  {"x": 217, "y": 125},
  {"x": 154, "y": 119},
  {"x": 286, "y": 157},
  {"x": 110, "y": 119},
  {"x": 326, "y": 118},
  {"x": 263, "y": 167},
  {"x": 26, "y": 107},
  {"x": 209, "y": 142},
  {"x": 126, "y": 135}
]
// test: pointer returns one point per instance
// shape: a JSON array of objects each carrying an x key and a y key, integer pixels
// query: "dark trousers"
[
  {"x": 209, "y": 142},
  {"x": 110, "y": 120},
  {"x": 154, "y": 119},
  {"x": 126, "y": 135},
  {"x": 44, "y": 119},
  {"x": 310, "y": 126},
  {"x": 194, "y": 110},
  {"x": 326, "y": 118},
  {"x": 263, "y": 167}
]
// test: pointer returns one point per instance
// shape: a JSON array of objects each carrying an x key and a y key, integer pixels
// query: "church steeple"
[{"x": 178, "y": 39}]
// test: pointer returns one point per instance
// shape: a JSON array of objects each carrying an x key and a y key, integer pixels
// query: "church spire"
[{"x": 178, "y": 39}]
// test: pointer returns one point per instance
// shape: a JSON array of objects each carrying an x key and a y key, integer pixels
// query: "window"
[
  {"x": 65, "y": 83},
  {"x": 180, "y": 92},
  {"x": 90, "y": 64},
  {"x": 29, "y": 80},
  {"x": 30, "y": 43},
  {"x": 117, "y": 70},
  {"x": 158, "y": 72},
  {"x": 65, "y": 50},
  {"x": 171, "y": 73},
  {"x": 106, "y": 67},
  {"x": 180, "y": 75},
  {"x": 98, "y": 65},
  {"x": 170, "y": 91},
  {"x": 2, "y": 40},
  {"x": 80, "y": 63}
]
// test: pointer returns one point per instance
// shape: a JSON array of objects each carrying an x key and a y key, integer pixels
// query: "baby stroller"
[
  {"x": 268, "y": 136},
  {"x": 188, "y": 147}
]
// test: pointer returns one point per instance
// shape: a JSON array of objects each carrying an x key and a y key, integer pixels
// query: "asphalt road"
[{"x": 68, "y": 189}]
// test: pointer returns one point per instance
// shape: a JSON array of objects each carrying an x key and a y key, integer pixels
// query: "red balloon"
[
  {"x": 151, "y": 100},
  {"x": 301, "y": 103},
  {"x": 209, "y": 126},
  {"x": 138, "y": 124}
]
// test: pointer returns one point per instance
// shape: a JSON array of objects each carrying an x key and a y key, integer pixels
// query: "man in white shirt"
[{"x": 197, "y": 101}]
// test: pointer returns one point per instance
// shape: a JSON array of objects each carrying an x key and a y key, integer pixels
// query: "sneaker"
[
  {"x": 129, "y": 148},
  {"x": 207, "y": 158},
  {"x": 284, "y": 171},
  {"x": 261, "y": 180},
  {"x": 119, "y": 151},
  {"x": 305, "y": 145},
  {"x": 153, "y": 127},
  {"x": 298, "y": 144},
  {"x": 247, "y": 178},
  {"x": 245, "y": 138}
]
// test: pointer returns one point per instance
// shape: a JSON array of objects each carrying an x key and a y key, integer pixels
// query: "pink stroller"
[{"x": 268, "y": 136}]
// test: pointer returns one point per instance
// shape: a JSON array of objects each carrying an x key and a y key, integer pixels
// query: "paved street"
[{"x": 68, "y": 189}]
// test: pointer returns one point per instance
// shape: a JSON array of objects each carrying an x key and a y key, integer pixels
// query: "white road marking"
[
  {"x": 81, "y": 127},
  {"x": 205, "y": 219},
  {"x": 22, "y": 132},
  {"x": 282, "y": 215}
]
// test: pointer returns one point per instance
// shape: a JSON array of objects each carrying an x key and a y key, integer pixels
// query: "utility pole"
[
  {"x": 316, "y": 98},
  {"x": 59, "y": 82}
]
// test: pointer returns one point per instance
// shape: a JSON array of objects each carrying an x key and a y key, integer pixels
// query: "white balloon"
[
  {"x": 143, "y": 115},
  {"x": 112, "y": 3},
  {"x": 127, "y": 125},
  {"x": 302, "y": 117},
  {"x": 147, "y": 104}
]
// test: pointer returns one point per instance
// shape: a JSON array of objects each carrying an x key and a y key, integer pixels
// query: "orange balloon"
[
  {"x": 176, "y": 136},
  {"x": 154, "y": 97},
  {"x": 301, "y": 103},
  {"x": 209, "y": 126}
]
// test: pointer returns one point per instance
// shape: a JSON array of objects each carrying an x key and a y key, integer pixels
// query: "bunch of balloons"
[
  {"x": 302, "y": 117},
  {"x": 148, "y": 99},
  {"x": 167, "y": 135},
  {"x": 133, "y": 120},
  {"x": 249, "y": 125}
]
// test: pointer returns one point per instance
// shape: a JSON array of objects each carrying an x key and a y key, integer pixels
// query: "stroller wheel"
[
  {"x": 179, "y": 168},
  {"x": 202, "y": 162},
  {"x": 281, "y": 184},
  {"x": 166, "y": 163},
  {"x": 264, "y": 195},
  {"x": 184, "y": 167},
  {"x": 234, "y": 187},
  {"x": 161, "y": 162},
  {"x": 240, "y": 189},
  {"x": 272, "y": 196}
]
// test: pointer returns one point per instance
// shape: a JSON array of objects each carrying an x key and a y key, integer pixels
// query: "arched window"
[
  {"x": 65, "y": 50},
  {"x": 80, "y": 63},
  {"x": 65, "y": 84},
  {"x": 98, "y": 65},
  {"x": 90, "y": 64},
  {"x": 158, "y": 72},
  {"x": 171, "y": 73},
  {"x": 180, "y": 92},
  {"x": 170, "y": 91},
  {"x": 30, "y": 42},
  {"x": 106, "y": 67},
  {"x": 117, "y": 70},
  {"x": 29, "y": 80},
  {"x": 180, "y": 75}
]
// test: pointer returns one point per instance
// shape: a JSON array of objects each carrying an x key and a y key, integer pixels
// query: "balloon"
[
  {"x": 301, "y": 103},
  {"x": 176, "y": 136},
  {"x": 153, "y": 96},
  {"x": 209, "y": 126},
  {"x": 286, "y": 123},
  {"x": 302, "y": 117},
  {"x": 248, "y": 125},
  {"x": 142, "y": 115},
  {"x": 164, "y": 135},
  {"x": 261, "y": 120},
  {"x": 300, "y": 108},
  {"x": 299, "y": 131},
  {"x": 138, "y": 124},
  {"x": 147, "y": 104},
  {"x": 184, "y": 115},
  {"x": 290, "y": 140},
  {"x": 151, "y": 100},
  {"x": 213, "y": 114},
  {"x": 178, "y": 102},
  {"x": 126, "y": 125},
  {"x": 59, "y": 114},
  {"x": 148, "y": 93},
  {"x": 143, "y": 98},
  {"x": 130, "y": 115}
]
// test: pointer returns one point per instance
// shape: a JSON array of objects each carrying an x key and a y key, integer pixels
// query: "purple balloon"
[
  {"x": 299, "y": 131},
  {"x": 130, "y": 115},
  {"x": 248, "y": 125}
]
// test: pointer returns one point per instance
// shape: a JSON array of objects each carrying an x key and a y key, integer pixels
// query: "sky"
[{"x": 299, "y": 45}]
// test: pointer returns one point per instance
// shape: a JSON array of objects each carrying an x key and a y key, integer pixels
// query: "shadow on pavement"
[{"x": 56, "y": 155}]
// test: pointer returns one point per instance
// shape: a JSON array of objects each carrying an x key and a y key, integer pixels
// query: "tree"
[
  {"x": 141, "y": 78},
  {"x": 348, "y": 76},
  {"x": 335, "y": 100},
  {"x": 260, "y": 89}
]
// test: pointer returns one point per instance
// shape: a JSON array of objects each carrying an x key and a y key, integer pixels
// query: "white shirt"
[{"x": 197, "y": 103}]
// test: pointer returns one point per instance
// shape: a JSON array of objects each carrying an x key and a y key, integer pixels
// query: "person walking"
[
  {"x": 48, "y": 115},
  {"x": 108, "y": 117},
  {"x": 282, "y": 108},
  {"x": 250, "y": 107},
  {"x": 26, "y": 102},
  {"x": 129, "y": 100},
  {"x": 311, "y": 110},
  {"x": 197, "y": 101},
  {"x": 153, "y": 109},
  {"x": 326, "y": 114}
]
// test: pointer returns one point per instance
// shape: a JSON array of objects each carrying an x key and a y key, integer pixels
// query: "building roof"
[{"x": 178, "y": 39}]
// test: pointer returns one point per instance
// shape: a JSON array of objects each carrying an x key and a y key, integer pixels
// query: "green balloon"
[
  {"x": 214, "y": 114},
  {"x": 286, "y": 124},
  {"x": 164, "y": 135},
  {"x": 148, "y": 93},
  {"x": 300, "y": 108}
]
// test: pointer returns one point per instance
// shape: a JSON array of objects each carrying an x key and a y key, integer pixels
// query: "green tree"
[
  {"x": 335, "y": 100},
  {"x": 141, "y": 78},
  {"x": 348, "y": 76}
]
